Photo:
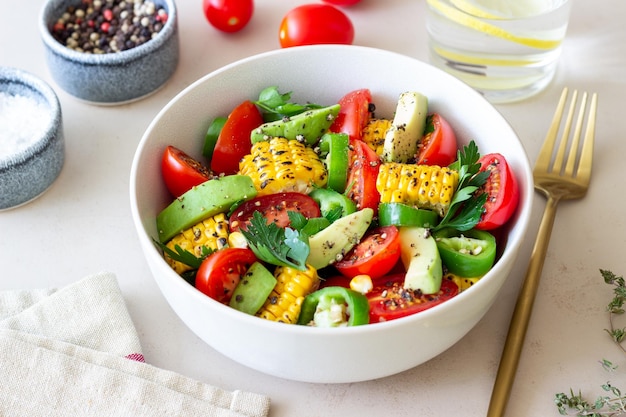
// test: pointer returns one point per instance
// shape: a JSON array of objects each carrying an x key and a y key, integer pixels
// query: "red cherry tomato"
[
  {"x": 438, "y": 146},
  {"x": 233, "y": 142},
  {"x": 389, "y": 300},
  {"x": 354, "y": 113},
  {"x": 502, "y": 192},
  {"x": 342, "y": 2},
  {"x": 375, "y": 255},
  {"x": 228, "y": 15},
  {"x": 362, "y": 174},
  {"x": 275, "y": 208},
  {"x": 312, "y": 24},
  {"x": 222, "y": 270},
  {"x": 181, "y": 172}
]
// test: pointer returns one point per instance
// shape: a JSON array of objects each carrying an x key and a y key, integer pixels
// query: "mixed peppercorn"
[{"x": 108, "y": 26}]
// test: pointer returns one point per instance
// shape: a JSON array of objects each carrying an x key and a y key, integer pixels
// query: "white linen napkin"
[{"x": 75, "y": 352}]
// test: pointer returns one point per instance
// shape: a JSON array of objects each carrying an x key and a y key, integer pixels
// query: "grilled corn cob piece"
[
  {"x": 280, "y": 165},
  {"x": 211, "y": 233},
  {"x": 462, "y": 282},
  {"x": 424, "y": 186},
  {"x": 374, "y": 134},
  {"x": 285, "y": 301}
]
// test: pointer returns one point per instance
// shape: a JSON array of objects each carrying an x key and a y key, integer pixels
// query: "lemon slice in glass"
[
  {"x": 470, "y": 12},
  {"x": 502, "y": 9}
]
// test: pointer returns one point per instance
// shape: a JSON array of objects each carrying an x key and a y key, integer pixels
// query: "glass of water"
[{"x": 506, "y": 49}]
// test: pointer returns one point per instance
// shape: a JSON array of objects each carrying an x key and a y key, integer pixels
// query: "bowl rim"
[
  {"x": 169, "y": 28},
  {"x": 17, "y": 76},
  {"x": 522, "y": 221}
]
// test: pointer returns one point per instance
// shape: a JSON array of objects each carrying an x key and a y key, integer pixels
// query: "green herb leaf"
[
  {"x": 274, "y": 244},
  {"x": 466, "y": 207},
  {"x": 275, "y": 105},
  {"x": 184, "y": 256}
]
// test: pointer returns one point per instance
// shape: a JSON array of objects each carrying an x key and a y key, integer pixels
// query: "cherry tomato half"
[
  {"x": 375, "y": 255},
  {"x": 228, "y": 15},
  {"x": 362, "y": 174},
  {"x": 342, "y": 2},
  {"x": 389, "y": 300},
  {"x": 438, "y": 145},
  {"x": 314, "y": 23},
  {"x": 275, "y": 208},
  {"x": 354, "y": 113},
  {"x": 222, "y": 270},
  {"x": 502, "y": 192},
  {"x": 233, "y": 143},
  {"x": 181, "y": 172}
]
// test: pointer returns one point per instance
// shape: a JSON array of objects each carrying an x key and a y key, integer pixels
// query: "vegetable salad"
[{"x": 330, "y": 215}]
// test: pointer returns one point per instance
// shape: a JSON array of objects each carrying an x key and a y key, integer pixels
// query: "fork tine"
[
  {"x": 573, "y": 153},
  {"x": 586, "y": 157},
  {"x": 545, "y": 153},
  {"x": 560, "y": 155}
]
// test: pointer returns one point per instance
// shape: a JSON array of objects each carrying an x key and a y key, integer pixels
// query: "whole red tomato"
[
  {"x": 312, "y": 24},
  {"x": 228, "y": 15}
]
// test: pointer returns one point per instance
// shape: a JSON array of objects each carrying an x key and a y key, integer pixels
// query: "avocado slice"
[
  {"x": 420, "y": 256},
  {"x": 253, "y": 289},
  {"x": 407, "y": 129},
  {"x": 203, "y": 201},
  {"x": 309, "y": 126},
  {"x": 338, "y": 238}
]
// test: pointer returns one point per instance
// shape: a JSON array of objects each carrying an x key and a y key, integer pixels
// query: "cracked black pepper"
[{"x": 109, "y": 26}]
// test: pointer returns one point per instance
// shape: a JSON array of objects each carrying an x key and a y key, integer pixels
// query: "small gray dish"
[
  {"x": 30, "y": 169},
  {"x": 111, "y": 78}
]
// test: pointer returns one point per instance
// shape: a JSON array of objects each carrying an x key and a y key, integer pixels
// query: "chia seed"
[{"x": 108, "y": 26}]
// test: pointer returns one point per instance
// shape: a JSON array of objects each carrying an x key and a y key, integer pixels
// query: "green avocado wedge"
[
  {"x": 203, "y": 201},
  {"x": 310, "y": 126}
]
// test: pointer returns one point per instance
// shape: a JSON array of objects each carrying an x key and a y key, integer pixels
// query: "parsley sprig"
[
  {"x": 184, "y": 256},
  {"x": 276, "y": 245},
  {"x": 275, "y": 105},
  {"x": 613, "y": 402},
  {"x": 466, "y": 206}
]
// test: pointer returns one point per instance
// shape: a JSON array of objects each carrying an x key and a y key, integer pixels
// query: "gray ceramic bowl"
[
  {"x": 111, "y": 78},
  {"x": 33, "y": 166}
]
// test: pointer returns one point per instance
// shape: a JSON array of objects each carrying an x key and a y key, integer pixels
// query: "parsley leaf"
[
  {"x": 184, "y": 256},
  {"x": 276, "y": 106},
  {"x": 275, "y": 245},
  {"x": 466, "y": 207}
]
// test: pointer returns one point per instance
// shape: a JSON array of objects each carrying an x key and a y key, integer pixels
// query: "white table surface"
[{"x": 83, "y": 223}]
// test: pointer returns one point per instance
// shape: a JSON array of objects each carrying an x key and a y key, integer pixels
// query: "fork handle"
[{"x": 521, "y": 315}]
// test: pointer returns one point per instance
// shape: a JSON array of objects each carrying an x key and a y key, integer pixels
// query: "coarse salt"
[{"x": 23, "y": 120}]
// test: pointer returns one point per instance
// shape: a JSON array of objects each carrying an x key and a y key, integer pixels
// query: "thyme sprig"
[
  {"x": 616, "y": 306},
  {"x": 613, "y": 402}
]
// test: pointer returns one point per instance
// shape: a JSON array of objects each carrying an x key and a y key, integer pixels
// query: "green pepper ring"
[
  {"x": 458, "y": 251},
  {"x": 357, "y": 305},
  {"x": 398, "y": 214}
]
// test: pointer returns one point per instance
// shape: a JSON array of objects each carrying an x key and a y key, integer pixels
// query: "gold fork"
[{"x": 556, "y": 182}]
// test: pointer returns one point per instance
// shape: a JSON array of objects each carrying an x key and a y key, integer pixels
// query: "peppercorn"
[{"x": 108, "y": 26}]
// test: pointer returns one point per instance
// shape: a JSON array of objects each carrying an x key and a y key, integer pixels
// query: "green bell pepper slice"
[
  {"x": 334, "y": 146},
  {"x": 334, "y": 307},
  {"x": 330, "y": 200},
  {"x": 398, "y": 214},
  {"x": 467, "y": 254},
  {"x": 212, "y": 134}
]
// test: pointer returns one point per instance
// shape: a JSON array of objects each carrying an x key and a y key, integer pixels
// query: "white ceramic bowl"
[{"x": 322, "y": 74}]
